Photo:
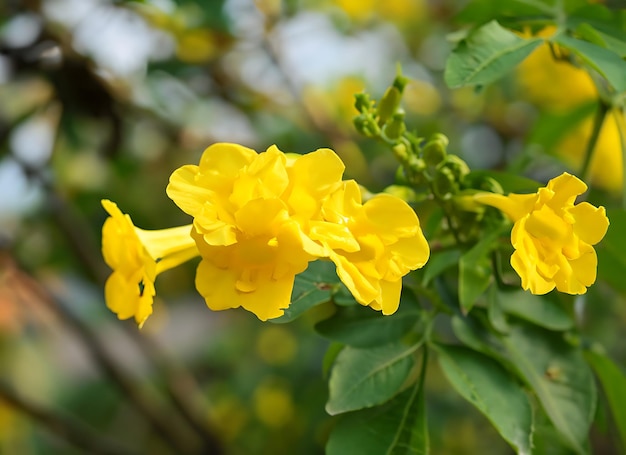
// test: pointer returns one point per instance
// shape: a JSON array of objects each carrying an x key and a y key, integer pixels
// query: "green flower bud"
[
  {"x": 362, "y": 102},
  {"x": 456, "y": 165},
  {"x": 400, "y": 82},
  {"x": 388, "y": 104},
  {"x": 394, "y": 128},
  {"x": 365, "y": 124},
  {"x": 444, "y": 182},
  {"x": 401, "y": 176},
  {"x": 490, "y": 184},
  {"x": 434, "y": 151}
]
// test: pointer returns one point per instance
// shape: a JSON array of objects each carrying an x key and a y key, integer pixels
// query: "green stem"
[
  {"x": 619, "y": 121},
  {"x": 598, "y": 121}
]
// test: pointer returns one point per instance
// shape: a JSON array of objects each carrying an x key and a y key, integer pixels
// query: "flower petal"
[{"x": 591, "y": 223}]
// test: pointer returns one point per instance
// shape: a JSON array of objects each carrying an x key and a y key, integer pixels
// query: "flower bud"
[
  {"x": 444, "y": 182},
  {"x": 434, "y": 151},
  {"x": 394, "y": 128},
  {"x": 366, "y": 125},
  {"x": 388, "y": 105},
  {"x": 362, "y": 102},
  {"x": 456, "y": 165}
]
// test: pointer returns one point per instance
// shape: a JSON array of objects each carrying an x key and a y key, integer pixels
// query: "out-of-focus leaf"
[
  {"x": 540, "y": 310},
  {"x": 511, "y": 183},
  {"x": 611, "y": 257},
  {"x": 362, "y": 378},
  {"x": 399, "y": 427},
  {"x": 607, "y": 63},
  {"x": 480, "y": 11},
  {"x": 312, "y": 287},
  {"x": 475, "y": 271},
  {"x": 486, "y": 55},
  {"x": 600, "y": 25},
  {"x": 614, "y": 385},
  {"x": 550, "y": 128},
  {"x": 438, "y": 262},
  {"x": 363, "y": 327},
  {"x": 485, "y": 384}
]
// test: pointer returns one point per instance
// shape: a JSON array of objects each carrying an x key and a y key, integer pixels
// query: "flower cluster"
[
  {"x": 552, "y": 236},
  {"x": 258, "y": 220}
]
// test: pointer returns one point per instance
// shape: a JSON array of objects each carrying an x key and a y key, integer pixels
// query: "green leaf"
[
  {"x": 399, "y": 427},
  {"x": 614, "y": 385},
  {"x": 438, "y": 262},
  {"x": 607, "y": 63},
  {"x": 363, "y": 378},
  {"x": 601, "y": 26},
  {"x": 511, "y": 183},
  {"x": 487, "y": 54},
  {"x": 363, "y": 327},
  {"x": 555, "y": 370},
  {"x": 559, "y": 375},
  {"x": 480, "y": 11},
  {"x": 544, "y": 311},
  {"x": 312, "y": 287},
  {"x": 611, "y": 257},
  {"x": 488, "y": 386},
  {"x": 475, "y": 270}
]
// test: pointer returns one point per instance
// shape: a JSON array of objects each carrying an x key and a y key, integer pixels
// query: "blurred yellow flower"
[
  {"x": 137, "y": 256},
  {"x": 399, "y": 11},
  {"x": 558, "y": 86},
  {"x": 373, "y": 245},
  {"x": 552, "y": 236}
]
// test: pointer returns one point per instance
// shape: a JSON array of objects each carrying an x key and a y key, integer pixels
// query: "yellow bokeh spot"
[
  {"x": 196, "y": 46},
  {"x": 276, "y": 345},
  {"x": 273, "y": 405},
  {"x": 422, "y": 97},
  {"x": 230, "y": 416}
]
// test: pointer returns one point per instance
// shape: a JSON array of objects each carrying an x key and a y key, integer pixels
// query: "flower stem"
[
  {"x": 619, "y": 121},
  {"x": 598, "y": 121}
]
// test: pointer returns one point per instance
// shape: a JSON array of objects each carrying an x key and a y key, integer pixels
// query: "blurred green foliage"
[{"x": 105, "y": 98}]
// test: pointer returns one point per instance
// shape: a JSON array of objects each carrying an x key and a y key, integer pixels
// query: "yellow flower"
[
  {"x": 137, "y": 256},
  {"x": 373, "y": 245},
  {"x": 250, "y": 218},
  {"x": 558, "y": 86},
  {"x": 552, "y": 236},
  {"x": 259, "y": 219}
]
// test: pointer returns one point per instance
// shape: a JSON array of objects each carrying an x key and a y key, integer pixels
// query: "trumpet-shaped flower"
[
  {"x": 259, "y": 219},
  {"x": 250, "y": 218},
  {"x": 373, "y": 245},
  {"x": 137, "y": 256},
  {"x": 552, "y": 236}
]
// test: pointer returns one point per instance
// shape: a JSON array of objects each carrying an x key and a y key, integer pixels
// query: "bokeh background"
[{"x": 104, "y": 99}]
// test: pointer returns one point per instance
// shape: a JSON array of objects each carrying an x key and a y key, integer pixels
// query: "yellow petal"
[
  {"x": 219, "y": 289},
  {"x": 390, "y": 216},
  {"x": 390, "y": 295},
  {"x": 591, "y": 223},
  {"x": 515, "y": 206},
  {"x": 545, "y": 224},
  {"x": 335, "y": 236},
  {"x": 566, "y": 188},
  {"x": 261, "y": 216},
  {"x": 531, "y": 279},
  {"x": 362, "y": 288}
]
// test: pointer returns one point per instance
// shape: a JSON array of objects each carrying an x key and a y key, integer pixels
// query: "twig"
[{"x": 65, "y": 427}]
